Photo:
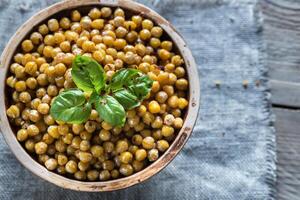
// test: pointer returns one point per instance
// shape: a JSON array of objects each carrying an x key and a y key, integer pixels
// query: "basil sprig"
[{"x": 125, "y": 91}]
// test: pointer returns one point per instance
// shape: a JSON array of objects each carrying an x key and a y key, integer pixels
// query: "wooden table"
[{"x": 282, "y": 37}]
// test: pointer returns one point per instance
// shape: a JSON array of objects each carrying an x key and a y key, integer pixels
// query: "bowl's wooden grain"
[{"x": 178, "y": 143}]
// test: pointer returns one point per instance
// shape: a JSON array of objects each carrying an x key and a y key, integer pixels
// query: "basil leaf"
[
  {"x": 121, "y": 78},
  {"x": 71, "y": 106},
  {"x": 94, "y": 97},
  {"x": 140, "y": 86},
  {"x": 87, "y": 74},
  {"x": 110, "y": 110},
  {"x": 126, "y": 99}
]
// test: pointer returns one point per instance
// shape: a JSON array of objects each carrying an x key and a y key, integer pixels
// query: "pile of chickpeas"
[{"x": 95, "y": 150}]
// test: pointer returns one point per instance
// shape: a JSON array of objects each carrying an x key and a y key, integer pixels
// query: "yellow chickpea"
[
  {"x": 53, "y": 25},
  {"x": 27, "y": 46},
  {"x": 154, "y": 107}
]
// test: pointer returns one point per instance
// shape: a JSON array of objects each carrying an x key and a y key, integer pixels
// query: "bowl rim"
[{"x": 194, "y": 99}]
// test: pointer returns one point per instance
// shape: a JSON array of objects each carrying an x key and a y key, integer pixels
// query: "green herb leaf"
[
  {"x": 126, "y": 99},
  {"x": 87, "y": 74},
  {"x": 71, "y": 106},
  {"x": 94, "y": 97},
  {"x": 122, "y": 77},
  {"x": 110, "y": 110},
  {"x": 140, "y": 86}
]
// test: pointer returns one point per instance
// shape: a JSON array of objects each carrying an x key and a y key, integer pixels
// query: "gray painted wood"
[
  {"x": 285, "y": 93},
  {"x": 288, "y": 153},
  {"x": 282, "y": 37}
]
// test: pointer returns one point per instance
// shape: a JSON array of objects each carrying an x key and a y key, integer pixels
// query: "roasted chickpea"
[
  {"x": 140, "y": 154},
  {"x": 156, "y": 32},
  {"x": 34, "y": 116},
  {"x": 71, "y": 167},
  {"x": 40, "y": 148},
  {"x": 180, "y": 72},
  {"x": 173, "y": 101},
  {"x": 148, "y": 142},
  {"x": 153, "y": 155},
  {"x": 53, "y": 25},
  {"x": 181, "y": 84},
  {"x": 36, "y": 38},
  {"x": 31, "y": 83},
  {"x": 126, "y": 169},
  {"x": 104, "y": 175},
  {"x": 52, "y": 90},
  {"x": 24, "y": 97},
  {"x": 20, "y": 86},
  {"x": 126, "y": 157},
  {"x": 178, "y": 122},
  {"x": 122, "y": 146},
  {"x": 95, "y": 13},
  {"x": 27, "y": 46},
  {"x": 65, "y": 23},
  {"x": 106, "y": 12},
  {"x": 104, "y": 135},
  {"x": 167, "y": 131},
  {"x": 43, "y": 108},
  {"x": 51, "y": 164},
  {"x": 145, "y": 34},
  {"x": 22, "y": 135}
]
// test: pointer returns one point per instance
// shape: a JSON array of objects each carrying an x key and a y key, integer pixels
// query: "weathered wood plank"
[
  {"x": 282, "y": 38},
  {"x": 285, "y": 93},
  {"x": 288, "y": 153}
]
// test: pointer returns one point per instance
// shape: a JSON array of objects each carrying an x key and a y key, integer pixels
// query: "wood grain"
[
  {"x": 282, "y": 38},
  {"x": 288, "y": 153}
]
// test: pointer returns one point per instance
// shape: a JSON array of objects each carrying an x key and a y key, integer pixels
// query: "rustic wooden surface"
[{"x": 282, "y": 36}]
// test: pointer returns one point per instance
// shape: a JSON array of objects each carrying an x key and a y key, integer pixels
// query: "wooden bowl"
[{"x": 61, "y": 9}]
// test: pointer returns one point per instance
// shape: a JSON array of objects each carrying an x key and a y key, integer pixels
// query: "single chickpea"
[
  {"x": 154, "y": 107},
  {"x": 94, "y": 13},
  {"x": 25, "y": 97},
  {"x": 153, "y": 155},
  {"x": 163, "y": 54},
  {"x": 104, "y": 175},
  {"x": 167, "y": 131},
  {"x": 31, "y": 68},
  {"x": 178, "y": 122},
  {"x": 181, "y": 84},
  {"x": 106, "y": 12},
  {"x": 148, "y": 142},
  {"x": 145, "y": 34},
  {"x": 156, "y": 31},
  {"x": 53, "y": 25},
  {"x": 169, "y": 119},
  {"x": 75, "y": 16},
  {"x": 65, "y": 23},
  {"x": 27, "y": 46},
  {"x": 22, "y": 135},
  {"x": 40, "y": 148},
  {"x": 31, "y": 83},
  {"x": 71, "y": 167},
  {"x": 126, "y": 169},
  {"x": 147, "y": 24},
  {"x": 36, "y": 38},
  {"x": 51, "y": 164},
  {"x": 162, "y": 145}
]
